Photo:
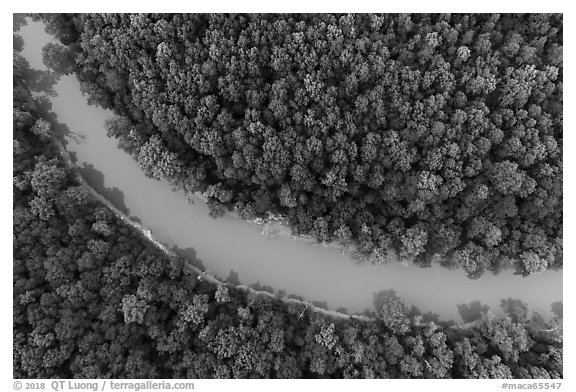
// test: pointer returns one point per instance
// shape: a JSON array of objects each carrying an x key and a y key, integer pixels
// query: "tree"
[
  {"x": 58, "y": 58},
  {"x": 532, "y": 262},
  {"x": 394, "y": 312},
  {"x": 438, "y": 121},
  {"x": 47, "y": 179},
  {"x": 156, "y": 162},
  {"x": 196, "y": 311},
  {"x": 88, "y": 303},
  {"x": 413, "y": 242},
  {"x": 222, "y": 295},
  {"x": 134, "y": 309}
]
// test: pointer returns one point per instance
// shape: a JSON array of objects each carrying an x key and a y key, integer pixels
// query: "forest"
[
  {"x": 412, "y": 135},
  {"x": 92, "y": 298}
]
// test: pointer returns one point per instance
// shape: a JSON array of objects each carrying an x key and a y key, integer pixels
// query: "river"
[{"x": 227, "y": 243}]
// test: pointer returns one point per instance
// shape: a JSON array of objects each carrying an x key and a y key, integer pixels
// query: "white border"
[{"x": 292, "y": 6}]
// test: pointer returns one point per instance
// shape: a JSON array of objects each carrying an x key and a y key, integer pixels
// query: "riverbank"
[
  {"x": 147, "y": 234},
  {"x": 203, "y": 274},
  {"x": 302, "y": 267},
  {"x": 277, "y": 226},
  {"x": 143, "y": 290}
]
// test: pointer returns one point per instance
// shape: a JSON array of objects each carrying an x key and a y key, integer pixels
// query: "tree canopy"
[
  {"x": 92, "y": 298},
  {"x": 429, "y": 134}
]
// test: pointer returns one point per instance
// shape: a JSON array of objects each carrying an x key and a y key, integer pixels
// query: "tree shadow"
[
  {"x": 39, "y": 82},
  {"x": 233, "y": 278},
  {"x": 296, "y": 297},
  {"x": 259, "y": 287},
  {"x": 43, "y": 82},
  {"x": 320, "y": 304},
  {"x": 73, "y": 157},
  {"x": 557, "y": 309},
  {"x": 342, "y": 310},
  {"x": 60, "y": 130},
  {"x": 472, "y": 311},
  {"x": 135, "y": 219},
  {"x": 95, "y": 179},
  {"x": 383, "y": 297},
  {"x": 190, "y": 255},
  {"x": 431, "y": 317},
  {"x": 18, "y": 21}
]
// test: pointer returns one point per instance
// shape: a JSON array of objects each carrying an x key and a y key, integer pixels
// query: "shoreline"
[
  {"x": 147, "y": 234},
  {"x": 278, "y": 227},
  {"x": 283, "y": 232}
]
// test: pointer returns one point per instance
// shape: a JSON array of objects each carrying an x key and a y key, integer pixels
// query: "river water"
[{"x": 227, "y": 243}]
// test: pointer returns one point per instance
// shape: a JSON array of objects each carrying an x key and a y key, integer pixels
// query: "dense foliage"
[
  {"x": 93, "y": 298},
  {"x": 428, "y": 134}
]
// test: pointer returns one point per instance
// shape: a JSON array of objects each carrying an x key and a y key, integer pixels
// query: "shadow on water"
[
  {"x": 320, "y": 304},
  {"x": 384, "y": 298},
  {"x": 135, "y": 219},
  {"x": 42, "y": 85},
  {"x": 233, "y": 278},
  {"x": 60, "y": 130},
  {"x": 296, "y": 297},
  {"x": 190, "y": 255},
  {"x": 73, "y": 157},
  {"x": 342, "y": 310},
  {"x": 40, "y": 82},
  {"x": 431, "y": 317},
  {"x": 259, "y": 287},
  {"x": 472, "y": 311},
  {"x": 44, "y": 82},
  {"x": 390, "y": 300},
  {"x": 95, "y": 179},
  {"x": 558, "y": 309},
  {"x": 18, "y": 21}
]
